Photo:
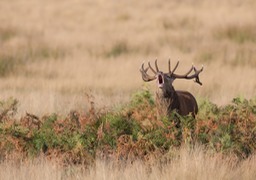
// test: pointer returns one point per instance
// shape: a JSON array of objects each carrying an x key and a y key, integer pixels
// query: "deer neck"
[{"x": 167, "y": 101}]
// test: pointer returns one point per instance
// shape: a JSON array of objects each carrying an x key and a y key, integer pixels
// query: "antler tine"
[
  {"x": 144, "y": 74},
  {"x": 156, "y": 65},
  {"x": 169, "y": 65},
  {"x": 151, "y": 68},
  {"x": 197, "y": 72},
  {"x": 142, "y": 67},
  {"x": 191, "y": 69},
  {"x": 175, "y": 67}
]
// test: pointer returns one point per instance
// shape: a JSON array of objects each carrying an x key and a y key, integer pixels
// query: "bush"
[{"x": 130, "y": 132}]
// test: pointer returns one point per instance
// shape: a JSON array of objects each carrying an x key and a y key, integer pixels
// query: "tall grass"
[{"x": 188, "y": 164}]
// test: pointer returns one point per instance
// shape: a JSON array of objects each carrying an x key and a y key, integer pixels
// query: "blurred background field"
[
  {"x": 53, "y": 53},
  {"x": 58, "y": 58}
]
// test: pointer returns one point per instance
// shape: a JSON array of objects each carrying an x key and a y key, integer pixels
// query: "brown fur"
[
  {"x": 187, "y": 103},
  {"x": 181, "y": 101}
]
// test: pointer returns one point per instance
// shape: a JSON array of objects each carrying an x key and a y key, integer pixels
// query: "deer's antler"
[
  {"x": 187, "y": 76},
  {"x": 145, "y": 76}
]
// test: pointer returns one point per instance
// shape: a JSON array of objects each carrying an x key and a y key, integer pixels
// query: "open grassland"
[{"x": 73, "y": 66}]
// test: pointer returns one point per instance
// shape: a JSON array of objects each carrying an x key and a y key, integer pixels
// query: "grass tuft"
[
  {"x": 238, "y": 34},
  {"x": 118, "y": 49}
]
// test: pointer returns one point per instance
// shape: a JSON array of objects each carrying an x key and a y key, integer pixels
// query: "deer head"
[{"x": 165, "y": 80}]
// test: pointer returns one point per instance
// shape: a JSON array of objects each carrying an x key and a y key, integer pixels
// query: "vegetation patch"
[
  {"x": 19, "y": 48},
  {"x": 133, "y": 132},
  {"x": 13, "y": 63},
  {"x": 237, "y": 33},
  {"x": 7, "y": 65},
  {"x": 7, "y": 33},
  {"x": 206, "y": 56},
  {"x": 119, "y": 48}
]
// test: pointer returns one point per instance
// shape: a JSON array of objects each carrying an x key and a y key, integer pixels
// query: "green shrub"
[
  {"x": 142, "y": 97},
  {"x": 115, "y": 125},
  {"x": 230, "y": 129}
]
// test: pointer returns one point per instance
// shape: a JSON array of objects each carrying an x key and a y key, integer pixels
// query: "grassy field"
[{"x": 60, "y": 56}]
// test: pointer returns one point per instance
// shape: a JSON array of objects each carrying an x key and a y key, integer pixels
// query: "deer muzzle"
[{"x": 160, "y": 80}]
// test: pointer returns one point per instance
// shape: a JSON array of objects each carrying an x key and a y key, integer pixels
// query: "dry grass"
[
  {"x": 186, "y": 164},
  {"x": 62, "y": 50}
]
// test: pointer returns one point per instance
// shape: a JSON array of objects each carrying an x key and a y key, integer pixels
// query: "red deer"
[{"x": 167, "y": 98}]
